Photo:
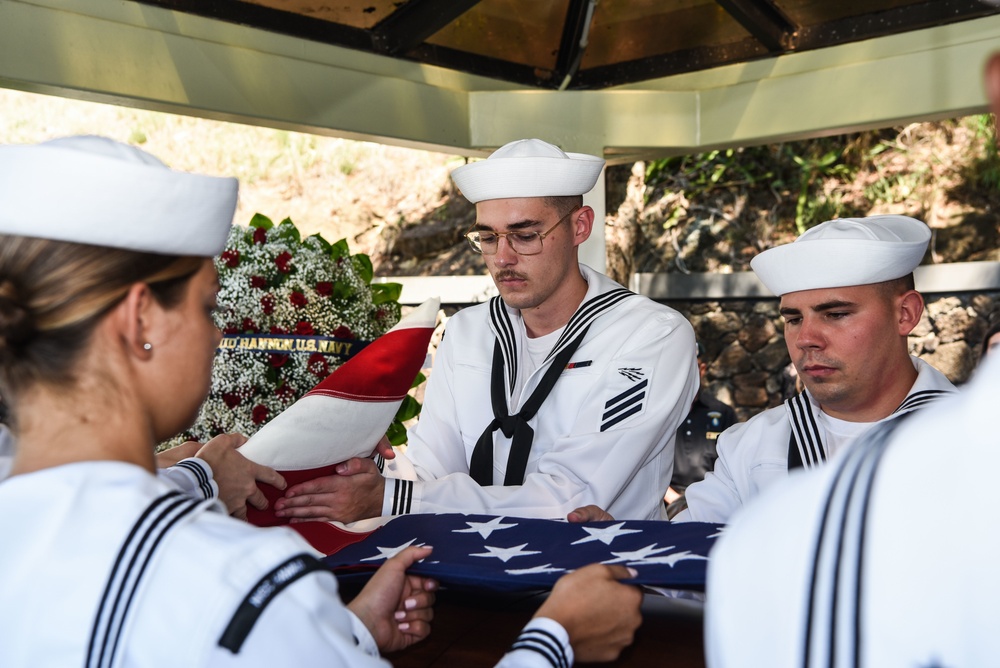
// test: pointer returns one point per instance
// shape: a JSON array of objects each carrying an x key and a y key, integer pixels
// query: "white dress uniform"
[
  {"x": 870, "y": 561},
  {"x": 106, "y": 565},
  {"x": 604, "y": 435},
  {"x": 109, "y": 565},
  {"x": 753, "y": 455}
]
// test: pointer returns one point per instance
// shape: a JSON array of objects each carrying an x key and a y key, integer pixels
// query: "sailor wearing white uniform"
[
  {"x": 861, "y": 563},
  {"x": 106, "y": 343},
  {"x": 847, "y": 297},
  {"x": 848, "y": 302},
  {"x": 566, "y": 389}
]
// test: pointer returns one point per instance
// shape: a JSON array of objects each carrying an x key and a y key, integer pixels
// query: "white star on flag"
[
  {"x": 639, "y": 555},
  {"x": 671, "y": 559},
  {"x": 390, "y": 552},
  {"x": 505, "y": 554},
  {"x": 605, "y": 535},
  {"x": 547, "y": 568},
  {"x": 484, "y": 529}
]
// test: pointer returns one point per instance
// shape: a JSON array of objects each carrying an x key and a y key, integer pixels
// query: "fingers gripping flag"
[
  {"x": 518, "y": 554},
  {"x": 345, "y": 415}
]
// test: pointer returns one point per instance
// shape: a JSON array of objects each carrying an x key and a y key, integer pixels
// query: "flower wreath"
[{"x": 291, "y": 310}]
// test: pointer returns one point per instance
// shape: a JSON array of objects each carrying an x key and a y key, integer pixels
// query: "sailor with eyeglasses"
[{"x": 565, "y": 390}]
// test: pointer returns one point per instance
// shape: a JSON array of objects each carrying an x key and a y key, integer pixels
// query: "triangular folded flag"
[
  {"x": 346, "y": 414},
  {"x": 485, "y": 552}
]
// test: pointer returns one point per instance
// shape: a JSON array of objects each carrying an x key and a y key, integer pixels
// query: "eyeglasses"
[{"x": 522, "y": 242}]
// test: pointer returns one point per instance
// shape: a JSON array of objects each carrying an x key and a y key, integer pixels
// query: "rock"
[
  {"x": 951, "y": 325},
  {"x": 773, "y": 357},
  {"x": 713, "y": 325},
  {"x": 758, "y": 330},
  {"x": 755, "y": 397},
  {"x": 733, "y": 360},
  {"x": 955, "y": 360}
]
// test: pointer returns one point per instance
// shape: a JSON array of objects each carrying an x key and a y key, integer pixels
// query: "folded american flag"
[{"x": 518, "y": 554}]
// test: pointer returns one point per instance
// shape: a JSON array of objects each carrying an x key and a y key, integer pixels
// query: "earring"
[{"x": 147, "y": 346}]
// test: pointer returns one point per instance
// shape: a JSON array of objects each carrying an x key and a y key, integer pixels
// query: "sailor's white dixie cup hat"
[
  {"x": 98, "y": 191},
  {"x": 528, "y": 168},
  {"x": 845, "y": 252}
]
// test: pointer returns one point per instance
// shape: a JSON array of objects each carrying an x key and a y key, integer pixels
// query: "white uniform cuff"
[
  {"x": 398, "y": 497},
  {"x": 543, "y": 643},
  {"x": 193, "y": 476},
  {"x": 364, "y": 638}
]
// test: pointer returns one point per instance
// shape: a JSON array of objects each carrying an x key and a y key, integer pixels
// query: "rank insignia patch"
[
  {"x": 631, "y": 373},
  {"x": 626, "y": 403}
]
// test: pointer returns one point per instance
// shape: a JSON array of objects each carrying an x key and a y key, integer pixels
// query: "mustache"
[
  {"x": 506, "y": 274},
  {"x": 812, "y": 360}
]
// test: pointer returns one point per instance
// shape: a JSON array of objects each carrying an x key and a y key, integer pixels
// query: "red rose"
[
  {"x": 278, "y": 330},
  {"x": 267, "y": 304},
  {"x": 260, "y": 235},
  {"x": 231, "y": 399},
  {"x": 282, "y": 262},
  {"x": 231, "y": 329},
  {"x": 325, "y": 288},
  {"x": 258, "y": 282},
  {"x": 277, "y": 360},
  {"x": 284, "y": 391},
  {"x": 317, "y": 365},
  {"x": 249, "y": 326},
  {"x": 304, "y": 328},
  {"x": 298, "y": 299},
  {"x": 343, "y": 333},
  {"x": 231, "y": 258},
  {"x": 259, "y": 414}
]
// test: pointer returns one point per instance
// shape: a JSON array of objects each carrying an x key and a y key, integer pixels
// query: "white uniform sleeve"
[
  {"x": 753, "y": 455},
  {"x": 193, "y": 476},
  {"x": 593, "y": 463},
  {"x": 543, "y": 643},
  {"x": 305, "y": 624},
  {"x": 714, "y": 498}
]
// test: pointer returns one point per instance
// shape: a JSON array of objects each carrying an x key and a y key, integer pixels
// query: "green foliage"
[
  {"x": 985, "y": 171},
  {"x": 409, "y": 409},
  {"x": 386, "y": 292},
  {"x": 261, "y": 221}
]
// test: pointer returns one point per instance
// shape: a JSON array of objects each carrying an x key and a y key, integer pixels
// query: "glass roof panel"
[
  {"x": 627, "y": 31},
  {"x": 354, "y": 14},
  {"x": 511, "y": 30}
]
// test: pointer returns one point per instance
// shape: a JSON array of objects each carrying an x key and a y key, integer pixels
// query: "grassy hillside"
[{"x": 705, "y": 212}]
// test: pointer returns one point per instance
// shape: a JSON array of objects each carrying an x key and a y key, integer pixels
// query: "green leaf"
[
  {"x": 261, "y": 221},
  {"x": 340, "y": 249},
  {"x": 342, "y": 291},
  {"x": 828, "y": 159},
  {"x": 418, "y": 380},
  {"x": 396, "y": 433},
  {"x": 409, "y": 409},
  {"x": 323, "y": 243},
  {"x": 386, "y": 292},
  {"x": 288, "y": 231},
  {"x": 363, "y": 264}
]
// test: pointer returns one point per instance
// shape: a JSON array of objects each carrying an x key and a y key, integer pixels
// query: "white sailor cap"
[
  {"x": 844, "y": 252},
  {"x": 528, "y": 168},
  {"x": 97, "y": 191}
]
